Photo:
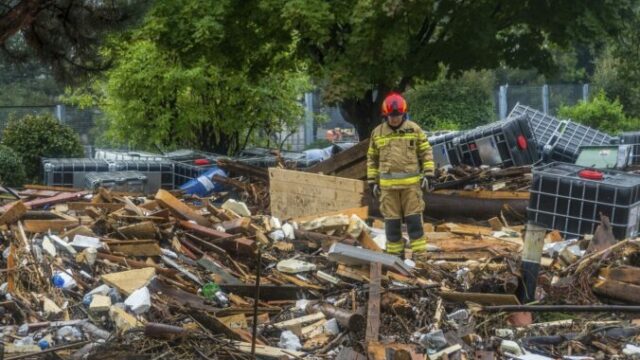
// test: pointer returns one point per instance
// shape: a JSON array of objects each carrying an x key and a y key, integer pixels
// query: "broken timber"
[{"x": 296, "y": 193}]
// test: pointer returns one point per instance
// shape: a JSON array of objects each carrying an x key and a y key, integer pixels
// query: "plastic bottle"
[
  {"x": 211, "y": 291},
  {"x": 204, "y": 185},
  {"x": 44, "y": 344},
  {"x": 63, "y": 280}
]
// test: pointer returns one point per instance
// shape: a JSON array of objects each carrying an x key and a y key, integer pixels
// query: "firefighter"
[{"x": 399, "y": 167}]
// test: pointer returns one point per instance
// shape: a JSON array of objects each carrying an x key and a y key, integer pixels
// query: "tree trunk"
[{"x": 364, "y": 113}]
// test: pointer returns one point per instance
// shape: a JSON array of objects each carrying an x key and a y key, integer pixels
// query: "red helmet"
[{"x": 394, "y": 104}]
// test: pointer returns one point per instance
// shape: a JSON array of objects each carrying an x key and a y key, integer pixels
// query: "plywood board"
[{"x": 296, "y": 194}]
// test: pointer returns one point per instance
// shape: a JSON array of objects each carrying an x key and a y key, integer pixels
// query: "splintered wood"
[{"x": 373, "y": 307}]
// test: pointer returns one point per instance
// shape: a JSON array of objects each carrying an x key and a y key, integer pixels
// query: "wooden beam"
[
  {"x": 135, "y": 247},
  {"x": 14, "y": 212},
  {"x": 373, "y": 307},
  {"x": 142, "y": 230},
  {"x": 81, "y": 206},
  {"x": 480, "y": 298},
  {"x": 180, "y": 209},
  {"x": 485, "y": 194},
  {"x": 627, "y": 274},
  {"x": 362, "y": 212},
  {"x": 343, "y": 160},
  {"x": 60, "y": 198},
  {"x": 42, "y": 226},
  {"x": 618, "y": 290}
]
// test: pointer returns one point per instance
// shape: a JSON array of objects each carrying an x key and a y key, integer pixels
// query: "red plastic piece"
[
  {"x": 591, "y": 174},
  {"x": 522, "y": 142},
  {"x": 201, "y": 162}
]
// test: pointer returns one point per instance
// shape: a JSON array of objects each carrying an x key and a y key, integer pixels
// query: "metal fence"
[
  {"x": 83, "y": 121},
  {"x": 546, "y": 98},
  {"x": 80, "y": 120}
]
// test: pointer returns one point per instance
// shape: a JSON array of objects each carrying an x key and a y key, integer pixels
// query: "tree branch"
[{"x": 20, "y": 16}]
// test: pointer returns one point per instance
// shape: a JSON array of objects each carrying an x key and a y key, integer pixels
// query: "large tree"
[
  {"x": 65, "y": 34},
  {"x": 192, "y": 76},
  {"x": 360, "y": 50}
]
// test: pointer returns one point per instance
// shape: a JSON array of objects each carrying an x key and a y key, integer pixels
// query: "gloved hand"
[
  {"x": 374, "y": 188},
  {"x": 427, "y": 183}
]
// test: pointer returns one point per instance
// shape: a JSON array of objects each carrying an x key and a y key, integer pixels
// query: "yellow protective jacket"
[{"x": 398, "y": 158}]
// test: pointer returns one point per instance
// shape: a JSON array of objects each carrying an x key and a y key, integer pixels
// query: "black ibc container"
[
  {"x": 159, "y": 173},
  {"x": 504, "y": 143},
  {"x": 569, "y": 198},
  {"x": 121, "y": 181},
  {"x": 189, "y": 164},
  {"x": 632, "y": 139},
  {"x": 444, "y": 150},
  {"x": 544, "y": 126},
  {"x": 572, "y": 136},
  {"x": 70, "y": 172}
]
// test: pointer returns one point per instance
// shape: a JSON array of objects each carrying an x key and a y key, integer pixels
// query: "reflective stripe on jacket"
[{"x": 397, "y": 158}]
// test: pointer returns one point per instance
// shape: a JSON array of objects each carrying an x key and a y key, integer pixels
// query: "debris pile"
[{"x": 104, "y": 275}]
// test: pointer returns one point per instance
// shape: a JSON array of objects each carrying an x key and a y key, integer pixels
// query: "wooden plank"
[
  {"x": 627, "y": 274},
  {"x": 268, "y": 292},
  {"x": 82, "y": 206},
  {"x": 143, "y": 230},
  {"x": 296, "y": 194},
  {"x": 342, "y": 160},
  {"x": 268, "y": 351},
  {"x": 179, "y": 208},
  {"x": 373, "y": 306},
  {"x": 42, "y": 226},
  {"x": 357, "y": 170},
  {"x": 362, "y": 212},
  {"x": 128, "y": 281},
  {"x": 14, "y": 212},
  {"x": 464, "y": 229},
  {"x": 485, "y": 194},
  {"x": 205, "y": 231},
  {"x": 51, "y": 188},
  {"x": 288, "y": 324},
  {"x": 496, "y": 224},
  {"x": 367, "y": 242},
  {"x": 481, "y": 298},
  {"x": 135, "y": 247},
  {"x": 136, "y": 264},
  {"x": 60, "y": 198},
  {"x": 618, "y": 290}
]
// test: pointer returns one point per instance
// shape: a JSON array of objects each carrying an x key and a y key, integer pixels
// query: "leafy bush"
[
  {"x": 34, "y": 137},
  {"x": 453, "y": 103},
  {"x": 600, "y": 113},
  {"x": 11, "y": 168}
]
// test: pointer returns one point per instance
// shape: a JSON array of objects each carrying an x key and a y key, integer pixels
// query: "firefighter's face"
[{"x": 395, "y": 120}]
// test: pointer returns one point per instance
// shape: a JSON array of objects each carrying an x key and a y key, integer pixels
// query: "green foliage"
[
  {"x": 11, "y": 168},
  {"x": 360, "y": 50},
  {"x": 34, "y": 137},
  {"x": 450, "y": 104},
  {"x": 190, "y": 77},
  {"x": 600, "y": 113}
]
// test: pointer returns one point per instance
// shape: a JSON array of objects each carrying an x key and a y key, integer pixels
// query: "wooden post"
[
  {"x": 373, "y": 311},
  {"x": 531, "y": 255}
]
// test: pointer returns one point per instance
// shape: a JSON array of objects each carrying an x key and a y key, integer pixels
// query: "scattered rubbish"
[
  {"x": 289, "y": 341},
  {"x": 139, "y": 301},
  {"x": 293, "y": 266},
  {"x": 118, "y": 274}
]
